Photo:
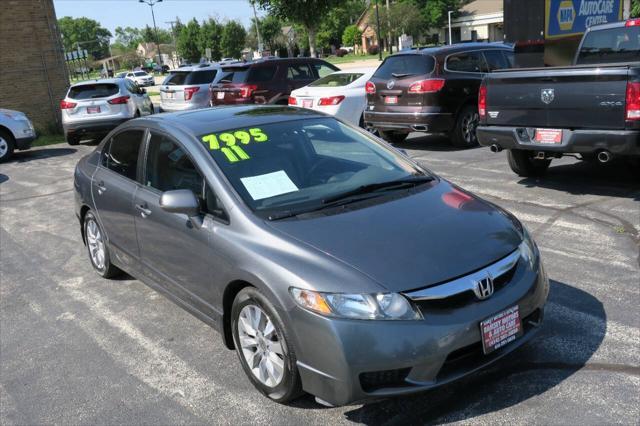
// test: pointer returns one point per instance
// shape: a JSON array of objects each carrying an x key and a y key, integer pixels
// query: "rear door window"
[
  {"x": 261, "y": 74},
  {"x": 466, "y": 62},
  {"x": 495, "y": 60},
  {"x": 235, "y": 74},
  {"x": 93, "y": 91},
  {"x": 121, "y": 155},
  {"x": 405, "y": 65},
  {"x": 299, "y": 72},
  {"x": 621, "y": 44}
]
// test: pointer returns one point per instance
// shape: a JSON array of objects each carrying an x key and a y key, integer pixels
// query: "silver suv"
[
  {"x": 188, "y": 87},
  {"x": 98, "y": 106},
  {"x": 16, "y": 132}
]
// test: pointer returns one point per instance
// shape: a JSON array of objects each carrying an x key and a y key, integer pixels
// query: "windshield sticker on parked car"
[
  {"x": 268, "y": 185},
  {"x": 230, "y": 143}
]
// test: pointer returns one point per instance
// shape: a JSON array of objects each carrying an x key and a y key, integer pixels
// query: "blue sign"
[{"x": 572, "y": 17}]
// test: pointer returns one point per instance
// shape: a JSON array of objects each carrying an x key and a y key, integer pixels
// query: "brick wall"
[{"x": 33, "y": 74}]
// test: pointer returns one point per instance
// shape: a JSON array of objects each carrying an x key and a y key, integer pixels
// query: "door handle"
[
  {"x": 101, "y": 188},
  {"x": 144, "y": 211}
]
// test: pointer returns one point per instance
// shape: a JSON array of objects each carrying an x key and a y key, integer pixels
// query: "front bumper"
[
  {"x": 348, "y": 361},
  {"x": 420, "y": 121},
  {"x": 92, "y": 127},
  {"x": 618, "y": 142},
  {"x": 25, "y": 142}
]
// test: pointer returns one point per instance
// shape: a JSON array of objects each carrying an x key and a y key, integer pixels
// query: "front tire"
[
  {"x": 73, "y": 140},
  {"x": 464, "y": 134},
  {"x": 7, "y": 145},
  {"x": 523, "y": 164},
  {"x": 97, "y": 247},
  {"x": 393, "y": 137},
  {"x": 263, "y": 346}
]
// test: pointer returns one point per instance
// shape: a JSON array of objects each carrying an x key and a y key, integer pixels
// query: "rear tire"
[
  {"x": 464, "y": 134},
  {"x": 393, "y": 137},
  {"x": 97, "y": 247},
  {"x": 73, "y": 140},
  {"x": 7, "y": 145},
  {"x": 266, "y": 345},
  {"x": 523, "y": 164}
]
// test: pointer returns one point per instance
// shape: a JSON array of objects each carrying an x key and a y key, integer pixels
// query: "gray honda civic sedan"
[{"x": 330, "y": 261}]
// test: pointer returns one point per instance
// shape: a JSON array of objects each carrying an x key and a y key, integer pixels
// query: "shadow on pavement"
[
  {"x": 3, "y": 178},
  {"x": 39, "y": 154},
  {"x": 433, "y": 142},
  {"x": 573, "y": 329},
  {"x": 616, "y": 179}
]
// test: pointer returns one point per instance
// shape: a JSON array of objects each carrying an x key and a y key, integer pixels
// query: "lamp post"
[{"x": 151, "y": 3}]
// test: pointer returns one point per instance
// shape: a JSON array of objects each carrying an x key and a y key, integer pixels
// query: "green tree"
[
  {"x": 635, "y": 8},
  {"x": 337, "y": 19},
  {"x": 85, "y": 33},
  {"x": 434, "y": 12},
  {"x": 302, "y": 12},
  {"x": 211, "y": 37},
  {"x": 128, "y": 37},
  {"x": 187, "y": 43},
  {"x": 351, "y": 36},
  {"x": 270, "y": 31},
  {"x": 149, "y": 35},
  {"x": 232, "y": 41}
]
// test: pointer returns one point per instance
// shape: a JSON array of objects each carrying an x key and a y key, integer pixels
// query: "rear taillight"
[
  {"x": 246, "y": 90},
  {"x": 482, "y": 101},
  {"x": 292, "y": 101},
  {"x": 431, "y": 85},
  {"x": 189, "y": 91},
  {"x": 632, "y": 23},
  {"x": 632, "y": 108},
  {"x": 67, "y": 105},
  {"x": 119, "y": 100},
  {"x": 333, "y": 100},
  {"x": 370, "y": 88}
]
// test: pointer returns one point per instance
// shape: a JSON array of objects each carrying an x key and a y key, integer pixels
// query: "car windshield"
[
  {"x": 300, "y": 165},
  {"x": 93, "y": 91},
  {"x": 337, "y": 80},
  {"x": 620, "y": 44}
]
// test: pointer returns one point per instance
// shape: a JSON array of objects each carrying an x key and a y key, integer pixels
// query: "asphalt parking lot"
[{"x": 78, "y": 349}]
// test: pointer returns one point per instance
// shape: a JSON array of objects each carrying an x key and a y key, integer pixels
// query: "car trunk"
[
  {"x": 232, "y": 87},
  {"x": 182, "y": 87},
  {"x": 583, "y": 97},
  {"x": 92, "y": 100}
]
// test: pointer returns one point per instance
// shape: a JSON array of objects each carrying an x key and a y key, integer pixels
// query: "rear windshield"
[
  {"x": 139, "y": 73},
  {"x": 620, "y": 44},
  {"x": 92, "y": 91},
  {"x": 405, "y": 65},
  {"x": 336, "y": 80},
  {"x": 181, "y": 78},
  {"x": 236, "y": 75}
]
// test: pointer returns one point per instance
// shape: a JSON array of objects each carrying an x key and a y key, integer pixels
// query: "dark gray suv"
[{"x": 331, "y": 262}]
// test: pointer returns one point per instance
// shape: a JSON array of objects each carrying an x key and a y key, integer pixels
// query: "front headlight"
[
  {"x": 527, "y": 248},
  {"x": 380, "y": 306}
]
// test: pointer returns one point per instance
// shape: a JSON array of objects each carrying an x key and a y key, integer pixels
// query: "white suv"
[
  {"x": 16, "y": 132},
  {"x": 141, "y": 78},
  {"x": 97, "y": 107}
]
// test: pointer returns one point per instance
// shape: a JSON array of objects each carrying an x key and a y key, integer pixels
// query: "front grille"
[{"x": 374, "y": 380}]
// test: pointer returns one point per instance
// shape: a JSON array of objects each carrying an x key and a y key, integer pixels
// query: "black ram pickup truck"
[{"x": 590, "y": 109}]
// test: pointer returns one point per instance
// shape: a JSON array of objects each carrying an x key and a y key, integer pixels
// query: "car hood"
[{"x": 428, "y": 237}]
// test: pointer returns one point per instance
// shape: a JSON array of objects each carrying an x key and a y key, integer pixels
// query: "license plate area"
[
  {"x": 93, "y": 110},
  {"x": 551, "y": 136},
  {"x": 307, "y": 103},
  {"x": 392, "y": 100},
  {"x": 220, "y": 95},
  {"x": 501, "y": 329},
  {"x": 170, "y": 95}
]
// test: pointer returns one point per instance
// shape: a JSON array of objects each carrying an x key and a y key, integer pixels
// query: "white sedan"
[{"x": 340, "y": 94}]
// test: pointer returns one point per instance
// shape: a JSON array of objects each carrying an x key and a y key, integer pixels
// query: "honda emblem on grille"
[
  {"x": 390, "y": 84},
  {"x": 547, "y": 95},
  {"x": 483, "y": 288}
]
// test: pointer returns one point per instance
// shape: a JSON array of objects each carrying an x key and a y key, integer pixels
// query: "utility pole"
[
  {"x": 255, "y": 16},
  {"x": 173, "y": 37},
  {"x": 449, "y": 14},
  {"x": 151, "y": 3},
  {"x": 378, "y": 25}
]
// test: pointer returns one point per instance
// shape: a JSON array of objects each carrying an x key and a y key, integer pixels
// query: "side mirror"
[{"x": 182, "y": 201}]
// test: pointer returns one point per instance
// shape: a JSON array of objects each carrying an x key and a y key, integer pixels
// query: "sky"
[{"x": 131, "y": 13}]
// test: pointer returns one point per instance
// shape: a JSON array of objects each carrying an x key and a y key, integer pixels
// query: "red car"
[{"x": 267, "y": 81}]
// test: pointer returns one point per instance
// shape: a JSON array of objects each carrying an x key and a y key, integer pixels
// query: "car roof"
[
  {"x": 117, "y": 81},
  {"x": 212, "y": 120},
  {"x": 201, "y": 67},
  {"x": 269, "y": 60},
  {"x": 457, "y": 47}
]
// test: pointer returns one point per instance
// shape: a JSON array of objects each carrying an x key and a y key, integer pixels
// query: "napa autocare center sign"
[{"x": 572, "y": 17}]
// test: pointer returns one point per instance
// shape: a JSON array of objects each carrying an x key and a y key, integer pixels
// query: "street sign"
[{"x": 572, "y": 17}]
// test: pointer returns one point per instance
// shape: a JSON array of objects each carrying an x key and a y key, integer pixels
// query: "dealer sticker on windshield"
[
  {"x": 230, "y": 143},
  {"x": 268, "y": 185},
  {"x": 500, "y": 329}
]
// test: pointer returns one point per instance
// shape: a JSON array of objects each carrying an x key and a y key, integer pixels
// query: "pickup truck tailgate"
[{"x": 583, "y": 97}]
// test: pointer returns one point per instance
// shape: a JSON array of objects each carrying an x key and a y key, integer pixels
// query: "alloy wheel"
[
  {"x": 469, "y": 124},
  {"x": 4, "y": 147},
  {"x": 95, "y": 244},
  {"x": 261, "y": 346}
]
